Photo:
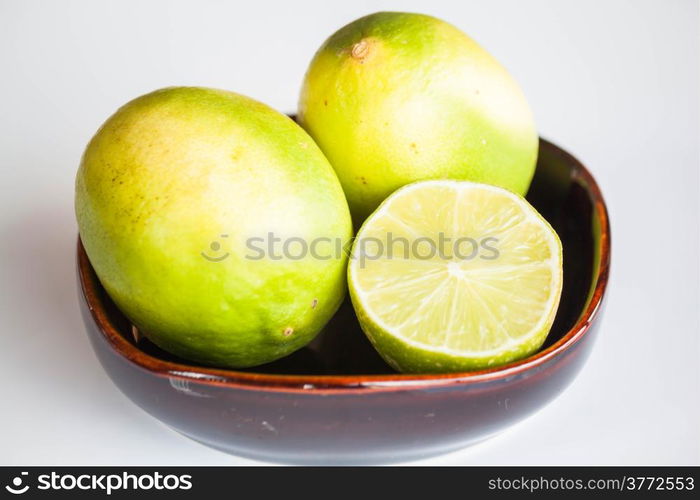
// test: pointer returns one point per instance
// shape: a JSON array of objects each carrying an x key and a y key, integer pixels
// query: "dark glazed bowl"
[{"x": 335, "y": 401}]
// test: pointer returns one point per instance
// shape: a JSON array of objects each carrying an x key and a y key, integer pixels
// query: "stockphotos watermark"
[
  {"x": 368, "y": 248},
  {"x": 105, "y": 483}
]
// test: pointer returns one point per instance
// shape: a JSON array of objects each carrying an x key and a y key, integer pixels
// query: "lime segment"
[{"x": 455, "y": 275}]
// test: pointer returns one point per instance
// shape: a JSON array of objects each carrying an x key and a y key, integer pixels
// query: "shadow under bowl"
[{"x": 335, "y": 401}]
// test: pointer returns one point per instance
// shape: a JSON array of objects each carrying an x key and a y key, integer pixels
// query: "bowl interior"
[{"x": 562, "y": 191}]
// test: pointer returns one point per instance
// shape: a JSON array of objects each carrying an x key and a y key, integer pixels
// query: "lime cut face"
[{"x": 454, "y": 275}]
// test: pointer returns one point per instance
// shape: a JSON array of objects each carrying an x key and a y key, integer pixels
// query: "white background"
[{"x": 614, "y": 82}]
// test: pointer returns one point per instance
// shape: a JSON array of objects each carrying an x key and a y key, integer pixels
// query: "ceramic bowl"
[{"x": 335, "y": 401}]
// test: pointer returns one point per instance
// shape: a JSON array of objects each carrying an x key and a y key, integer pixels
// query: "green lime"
[
  {"x": 178, "y": 198},
  {"x": 393, "y": 98},
  {"x": 454, "y": 275}
]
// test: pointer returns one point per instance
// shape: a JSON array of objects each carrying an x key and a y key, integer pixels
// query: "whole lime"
[
  {"x": 393, "y": 98},
  {"x": 187, "y": 200}
]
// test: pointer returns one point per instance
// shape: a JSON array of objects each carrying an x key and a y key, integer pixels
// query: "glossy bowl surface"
[{"x": 336, "y": 401}]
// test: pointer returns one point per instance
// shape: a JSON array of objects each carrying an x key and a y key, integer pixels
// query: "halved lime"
[{"x": 453, "y": 275}]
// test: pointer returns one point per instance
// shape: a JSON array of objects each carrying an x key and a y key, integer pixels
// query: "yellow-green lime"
[
  {"x": 393, "y": 98},
  {"x": 455, "y": 275},
  {"x": 175, "y": 197}
]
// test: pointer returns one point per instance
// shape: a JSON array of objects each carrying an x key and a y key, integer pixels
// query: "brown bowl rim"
[{"x": 353, "y": 383}]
